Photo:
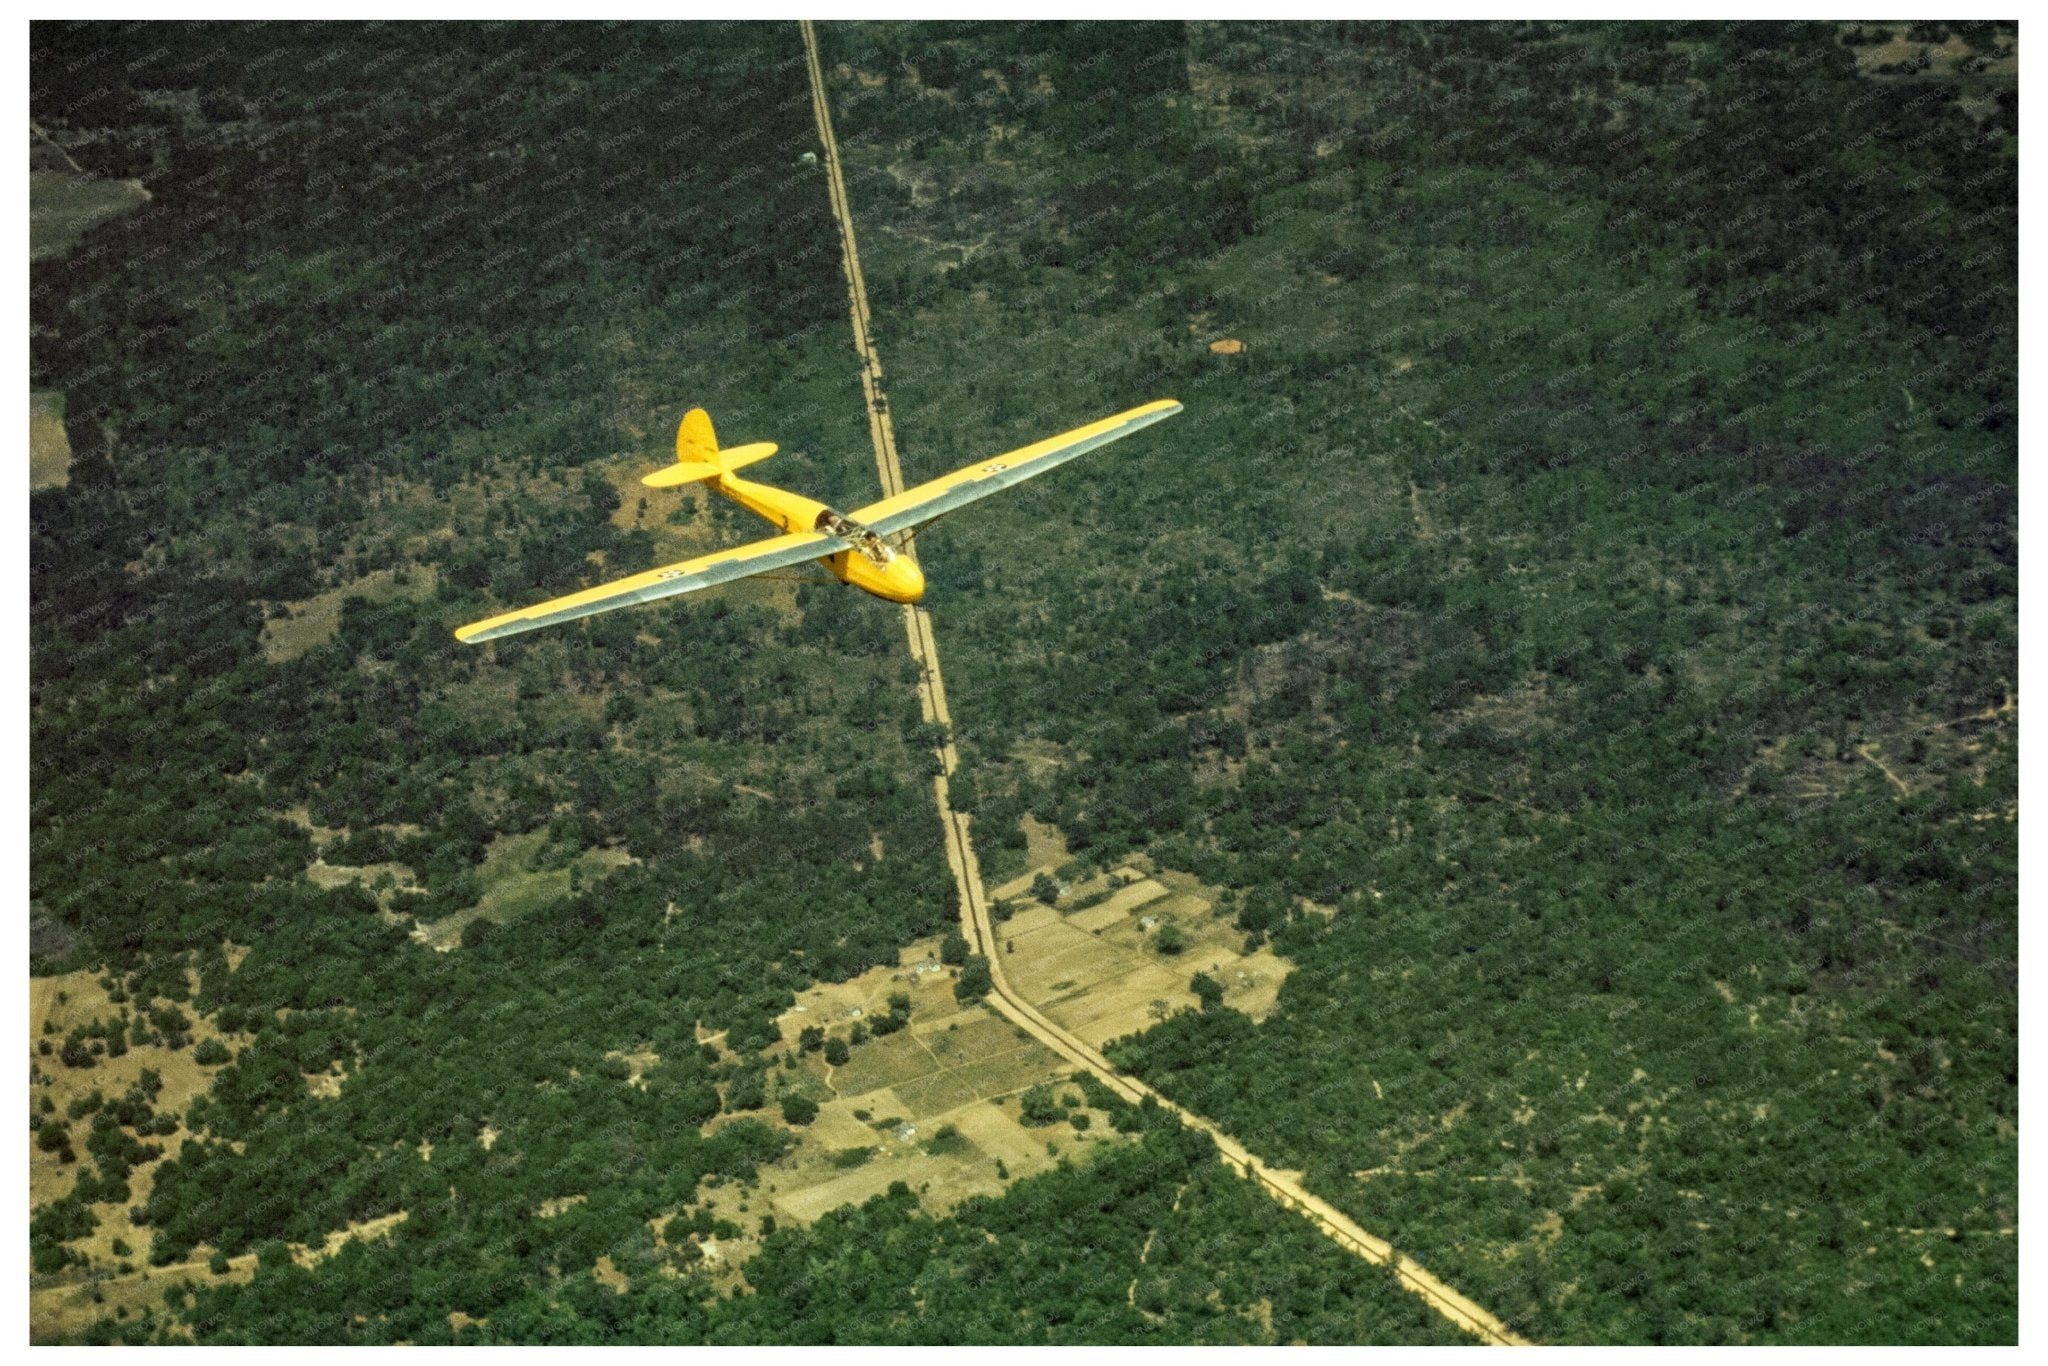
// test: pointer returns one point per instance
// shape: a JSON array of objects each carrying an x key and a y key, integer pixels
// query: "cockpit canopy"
[{"x": 868, "y": 543}]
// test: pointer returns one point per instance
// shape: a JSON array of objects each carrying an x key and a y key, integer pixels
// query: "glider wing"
[
  {"x": 916, "y": 506},
  {"x": 777, "y": 552}
]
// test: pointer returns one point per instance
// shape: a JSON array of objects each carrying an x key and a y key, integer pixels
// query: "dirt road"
[{"x": 975, "y": 924}]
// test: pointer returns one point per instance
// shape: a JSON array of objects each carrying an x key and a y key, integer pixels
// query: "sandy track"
[{"x": 975, "y": 924}]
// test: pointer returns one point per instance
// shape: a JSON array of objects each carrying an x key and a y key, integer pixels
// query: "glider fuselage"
[{"x": 873, "y": 567}]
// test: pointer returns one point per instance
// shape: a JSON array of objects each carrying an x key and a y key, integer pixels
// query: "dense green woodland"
[
  {"x": 1621, "y": 463},
  {"x": 1152, "y": 1244},
  {"x": 1623, "y": 443}
]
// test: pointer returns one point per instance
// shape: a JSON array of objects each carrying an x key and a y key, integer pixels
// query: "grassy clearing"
[
  {"x": 312, "y": 623},
  {"x": 1102, "y": 973},
  {"x": 65, "y": 1302},
  {"x": 512, "y": 888},
  {"x": 896, "y": 1093},
  {"x": 63, "y": 206},
  {"x": 49, "y": 446}
]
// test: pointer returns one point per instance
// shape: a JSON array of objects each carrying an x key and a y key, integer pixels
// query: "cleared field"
[
  {"x": 49, "y": 446},
  {"x": 63, "y": 206},
  {"x": 512, "y": 888},
  {"x": 1101, "y": 974},
  {"x": 312, "y": 623},
  {"x": 64, "y": 1302},
  {"x": 1120, "y": 907},
  {"x": 322, "y": 874},
  {"x": 984, "y": 1059},
  {"x": 895, "y": 1094}
]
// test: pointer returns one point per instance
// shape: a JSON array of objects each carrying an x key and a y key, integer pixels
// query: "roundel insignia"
[{"x": 996, "y": 468}]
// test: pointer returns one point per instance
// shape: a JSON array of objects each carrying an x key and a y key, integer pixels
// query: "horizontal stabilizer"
[
  {"x": 721, "y": 462},
  {"x": 733, "y": 457},
  {"x": 682, "y": 472}
]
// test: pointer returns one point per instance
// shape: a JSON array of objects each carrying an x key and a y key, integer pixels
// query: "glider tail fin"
[
  {"x": 698, "y": 455},
  {"x": 696, "y": 442}
]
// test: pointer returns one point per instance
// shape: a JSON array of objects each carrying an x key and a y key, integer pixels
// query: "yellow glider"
[{"x": 852, "y": 548}]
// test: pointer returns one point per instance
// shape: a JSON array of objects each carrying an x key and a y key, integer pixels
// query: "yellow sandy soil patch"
[
  {"x": 554, "y": 1205},
  {"x": 49, "y": 446},
  {"x": 321, "y": 835},
  {"x": 367, "y": 1229},
  {"x": 1044, "y": 845},
  {"x": 63, "y": 1311},
  {"x": 674, "y": 539},
  {"x": 636, "y": 1064}
]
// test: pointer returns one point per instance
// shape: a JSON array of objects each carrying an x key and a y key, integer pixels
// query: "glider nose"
[{"x": 906, "y": 580}]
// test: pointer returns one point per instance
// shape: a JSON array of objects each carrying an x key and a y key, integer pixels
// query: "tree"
[
  {"x": 975, "y": 981},
  {"x": 749, "y": 1091},
  {"x": 893, "y": 1019},
  {"x": 810, "y": 1039},
  {"x": 1038, "y": 1106},
  {"x": 799, "y": 1109},
  {"x": 1169, "y": 938},
  {"x": 953, "y": 949},
  {"x": 1207, "y": 989},
  {"x": 210, "y": 1053},
  {"x": 1045, "y": 888},
  {"x": 1265, "y": 910},
  {"x": 836, "y": 1052}
]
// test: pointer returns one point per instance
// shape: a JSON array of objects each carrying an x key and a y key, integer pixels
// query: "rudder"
[{"x": 696, "y": 441}]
